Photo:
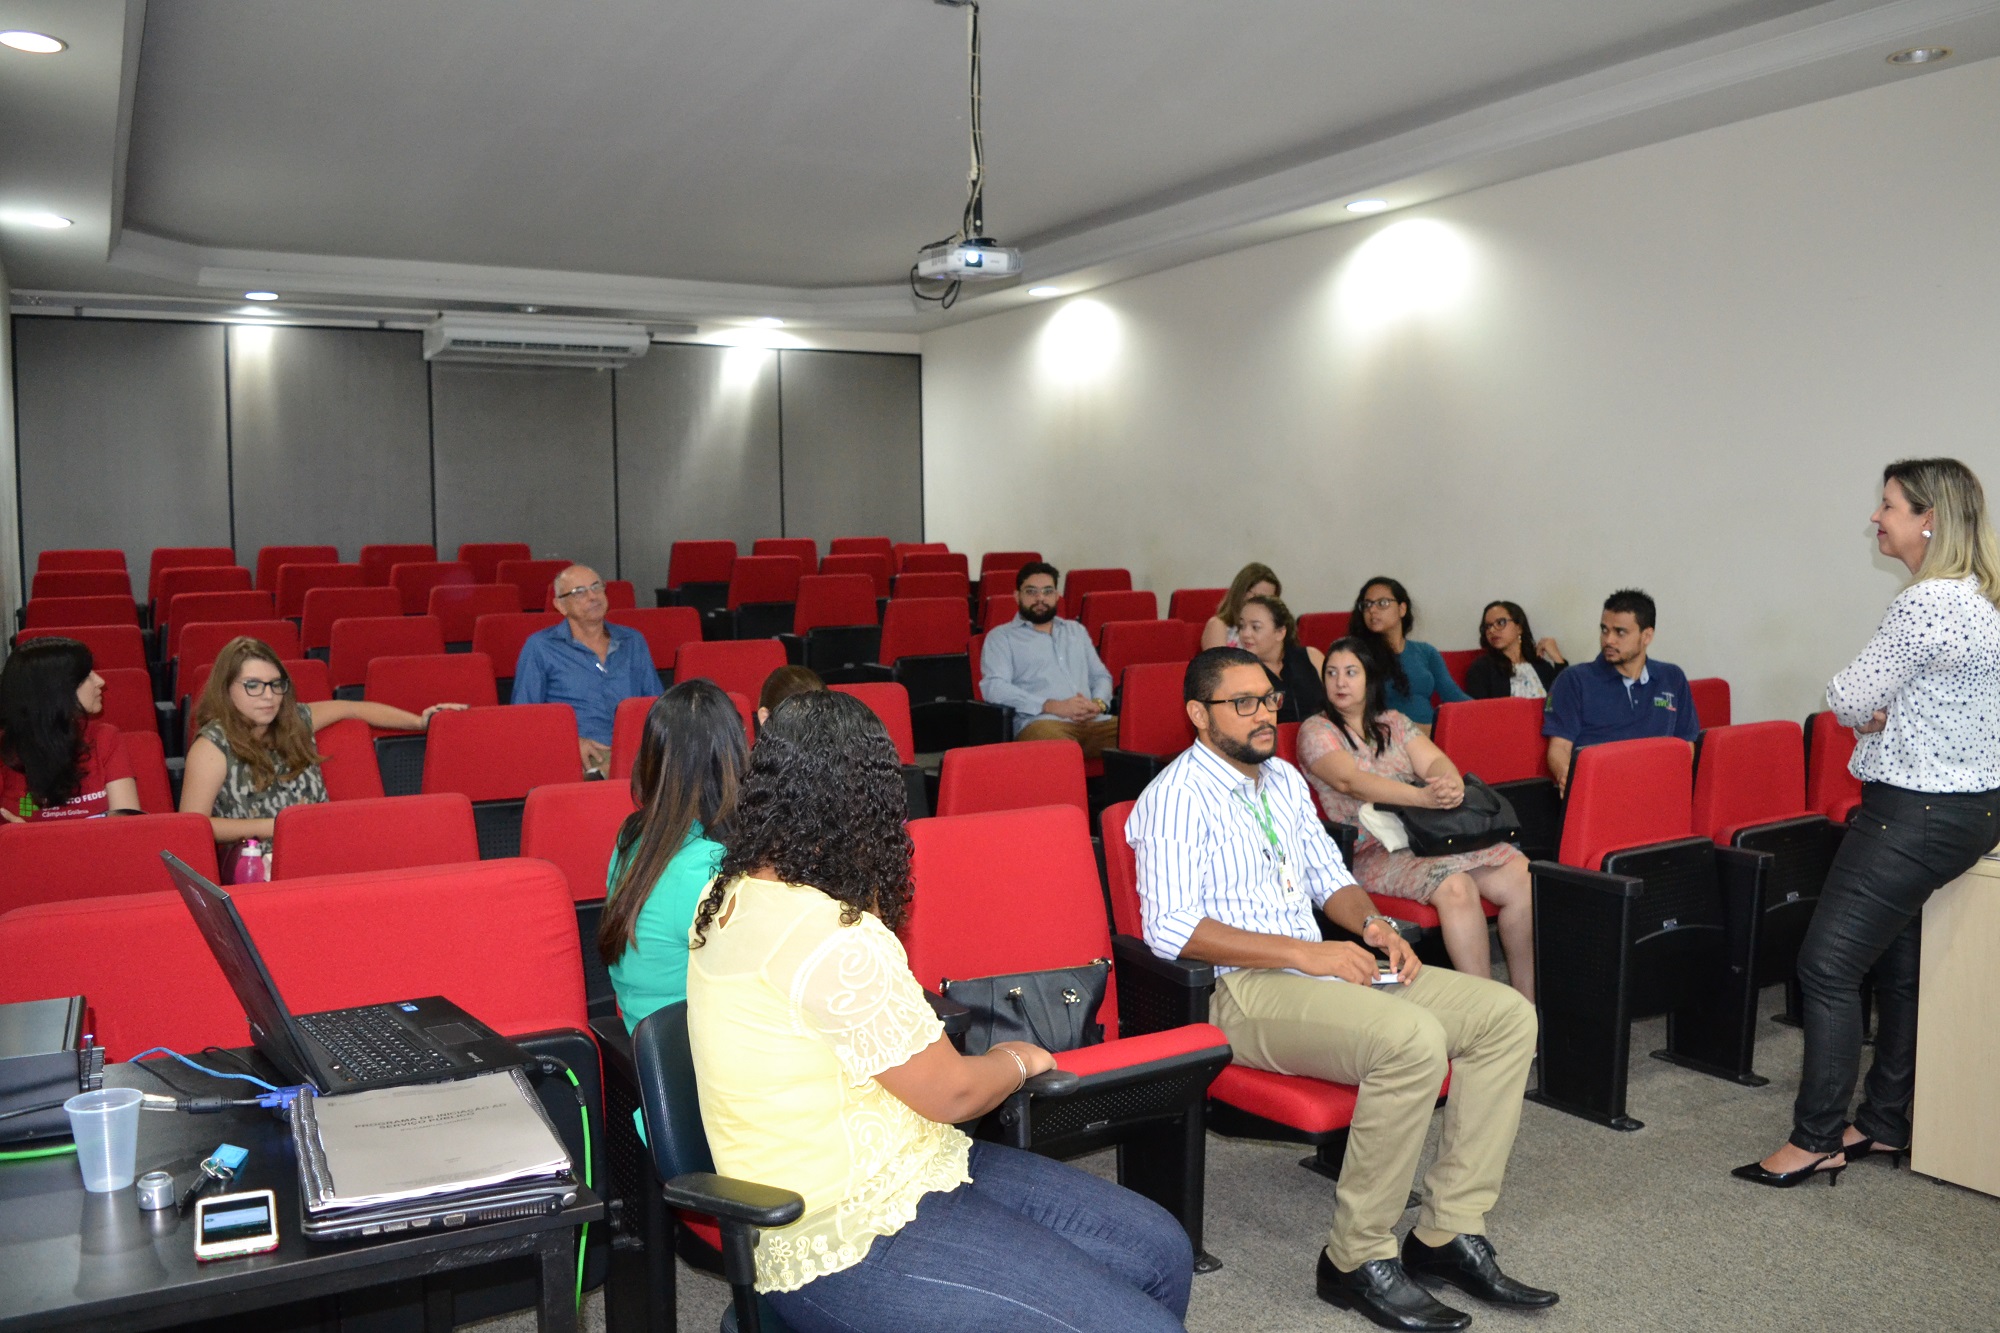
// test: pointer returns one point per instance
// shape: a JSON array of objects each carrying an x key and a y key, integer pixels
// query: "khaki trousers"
[
  {"x": 1395, "y": 1044},
  {"x": 1095, "y": 736}
]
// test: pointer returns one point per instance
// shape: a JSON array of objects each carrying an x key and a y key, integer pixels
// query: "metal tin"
[{"x": 156, "y": 1191}]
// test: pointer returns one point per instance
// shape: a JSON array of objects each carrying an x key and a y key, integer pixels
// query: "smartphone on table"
[{"x": 227, "y": 1225}]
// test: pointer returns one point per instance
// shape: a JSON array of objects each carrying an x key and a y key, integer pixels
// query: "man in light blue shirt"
[
  {"x": 585, "y": 663},
  {"x": 1046, "y": 671}
]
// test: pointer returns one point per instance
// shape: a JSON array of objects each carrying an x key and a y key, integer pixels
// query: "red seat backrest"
[
  {"x": 805, "y": 548},
  {"x": 619, "y": 595},
  {"x": 501, "y": 635},
  {"x": 203, "y": 640},
  {"x": 1101, "y": 608},
  {"x": 1078, "y": 582},
  {"x": 875, "y": 564},
  {"x": 1006, "y": 562},
  {"x": 415, "y": 683},
  {"x": 920, "y": 626},
  {"x": 60, "y": 859},
  {"x": 975, "y": 656},
  {"x": 200, "y": 578},
  {"x": 574, "y": 826},
  {"x": 737, "y": 665},
  {"x": 271, "y": 559},
  {"x": 1627, "y": 794},
  {"x": 1121, "y": 870},
  {"x": 1013, "y": 775},
  {"x": 81, "y": 583},
  {"x": 497, "y": 937},
  {"x": 902, "y": 550},
  {"x": 833, "y": 599},
  {"x": 347, "y": 757},
  {"x": 413, "y": 581},
  {"x": 1317, "y": 629},
  {"x": 862, "y": 546},
  {"x": 1830, "y": 788},
  {"x": 536, "y": 580},
  {"x": 699, "y": 562},
  {"x": 81, "y": 558},
  {"x": 128, "y": 700},
  {"x": 1009, "y": 891},
  {"x": 1500, "y": 740},
  {"x": 500, "y": 754},
  {"x": 947, "y": 583},
  {"x": 201, "y": 608},
  {"x": 386, "y": 833},
  {"x": 180, "y": 557},
  {"x": 1710, "y": 696},
  {"x": 378, "y": 560},
  {"x": 1749, "y": 774},
  {"x": 997, "y": 611},
  {"x": 358, "y": 639},
  {"x": 997, "y": 583},
  {"x": 110, "y": 645},
  {"x": 321, "y": 607},
  {"x": 60, "y": 612},
  {"x": 1195, "y": 605},
  {"x": 628, "y": 728},
  {"x": 1288, "y": 743},
  {"x": 1152, "y": 719},
  {"x": 149, "y": 771},
  {"x": 458, "y": 606},
  {"x": 1458, "y": 661},
  {"x": 666, "y": 628},
  {"x": 936, "y": 562},
  {"x": 890, "y": 702},
  {"x": 764, "y": 578},
  {"x": 296, "y": 581},
  {"x": 485, "y": 557},
  {"x": 1130, "y": 642}
]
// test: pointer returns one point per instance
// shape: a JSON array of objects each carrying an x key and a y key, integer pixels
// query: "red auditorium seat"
[
  {"x": 1500, "y": 741},
  {"x": 204, "y": 640},
  {"x": 628, "y": 726},
  {"x": 574, "y": 826},
  {"x": 295, "y": 581},
  {"x": 805, "y": 548},
  {"x": 619, "y": 595},
  {"x": 1830, "y": 788},
  {"x": 320, "y": 607},
  {"x": 347, "y": 758},
  {"x": 1153, "y": 727},
  {"x": 1458, "y": 661},
  {"x": 1131, "y": 642},
  {"x": 997, "y": 611},
  {"x": 1006, "y": 562},
  {"x": 181, "y": 557},
  {"x": 485, "y": 557},
  {"x": 413, "y": 581},
  {"x": 698, "y": 574},
  {"x": 197, "y": 608},
  {"x": 1079, "y": 582},
  {"x": 737, "y": 665},
  {"x": 834, "y": 627},
  {"x": 666, "y": 628},
  {"x": 535, "y": 579},
  {"x": 1710, "y": 695},
  {"x": 762, "y": 591},
  {"x": 389, "y": 833},
  {"x": 862, "y": 546},
  {"x": 359, "y": 639},
  {"x": 1317, "y": 629},
  {"x": 996, "y": 583},
  {"x": 377, "y": 560},
  {"x": 902, "y": 551},
  {"x": 891, "y": 703},
  {"x": 1101, "y": 608},
  {"x": 416, "y": 682},
  {"x": 495, "y": 756},
  {"x": 458, "y": 607},
  {"x": 501, "y": 636},
  {"x": 61, "y": 859},
  {"x": 128, "y": 700},
  {"x": 80, "y": 558},
  {"x": 110, "y": 645},
  {"x": 271, "y": 559},
  {"x": 1195, "y": 605},
  {"x": 199, "y": 578},
  {"x": 81, "y": 583},
  {"x": 926, "y": 647},
  {"x": 149, "y": 771},
  {"x": 874, "y": 564},
  {"x": 64, "y": 612},
  {"x": 949, "y": 583},
  {"x": 935, "y": 562},
  {"x": 1014, "y": 775}
]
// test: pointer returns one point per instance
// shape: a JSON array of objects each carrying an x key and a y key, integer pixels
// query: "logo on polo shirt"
[{"x": 1665, "y": 701}]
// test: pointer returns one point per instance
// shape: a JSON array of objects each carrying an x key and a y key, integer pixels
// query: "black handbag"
[
  {"x": 1055, "y": 1010},
  {"x": 1482, "y": 819}
]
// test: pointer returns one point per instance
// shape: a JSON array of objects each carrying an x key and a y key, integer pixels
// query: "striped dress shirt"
[{"x": 1202, "y": 852}]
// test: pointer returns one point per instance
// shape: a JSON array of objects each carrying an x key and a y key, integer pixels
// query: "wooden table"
[{"x": 1954, "y": 1134}]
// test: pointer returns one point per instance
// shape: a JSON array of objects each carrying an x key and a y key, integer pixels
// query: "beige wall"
[{"x": 1680, "y": 368}]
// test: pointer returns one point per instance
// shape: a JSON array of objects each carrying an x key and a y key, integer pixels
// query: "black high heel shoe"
[
  {"x": 1862, "y": 1149},
  {"x": 1784, "y": 1180}
]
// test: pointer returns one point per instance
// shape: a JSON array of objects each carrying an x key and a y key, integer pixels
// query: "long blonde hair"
[
  {"x": 1962, "y": 544},
  {"x": 1246, "y": 578},
  {"x": 286, "y": 750}
]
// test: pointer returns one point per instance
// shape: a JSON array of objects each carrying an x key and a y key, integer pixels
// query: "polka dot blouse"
[{"x": 1934, "y": 665}]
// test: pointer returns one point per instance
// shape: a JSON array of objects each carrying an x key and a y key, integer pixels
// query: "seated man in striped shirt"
[{"x": 1232, "y": 863}]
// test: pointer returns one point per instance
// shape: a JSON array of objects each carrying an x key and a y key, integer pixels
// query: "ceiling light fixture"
[
  {"x": 768, "y": 322},
  {"x": 1368, "y": 206},
  {"x": 34, "y": 43},
  {"x": 260, "y": 296},
  {"x": 1920, "y": 55},
  {"x": 29, "y": 217},
  {"x": 1045, "y": 291},
  {"x": 529, "y": 309}
]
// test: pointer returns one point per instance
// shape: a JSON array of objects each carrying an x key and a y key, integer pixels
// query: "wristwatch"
[{"x": 1388, "y": 921}]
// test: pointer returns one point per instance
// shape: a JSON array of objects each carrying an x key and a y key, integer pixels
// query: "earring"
[{"x": 1927, "y": 534}]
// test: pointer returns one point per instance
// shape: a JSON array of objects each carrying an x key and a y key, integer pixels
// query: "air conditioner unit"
[{"x": 497, "y": 340}]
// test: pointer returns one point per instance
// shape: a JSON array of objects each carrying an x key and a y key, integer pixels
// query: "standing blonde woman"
[
  {"x": 1924, "y": 701},
  {"x": 1253, "y": 580}
]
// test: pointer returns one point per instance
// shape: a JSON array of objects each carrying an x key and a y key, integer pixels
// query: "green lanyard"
[{"x": 1264, "y": 822}]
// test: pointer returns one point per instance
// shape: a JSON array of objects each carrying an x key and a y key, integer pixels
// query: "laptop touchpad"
[{"x": 453, "y": 1034}]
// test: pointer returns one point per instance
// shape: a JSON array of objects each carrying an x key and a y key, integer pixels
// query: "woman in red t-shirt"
[{"x": 55, "y": 763}]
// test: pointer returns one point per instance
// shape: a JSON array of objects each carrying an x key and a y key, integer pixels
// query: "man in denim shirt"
[
  {"x": 585, "y": 663},
  {"x": 1046, "y": 671}
]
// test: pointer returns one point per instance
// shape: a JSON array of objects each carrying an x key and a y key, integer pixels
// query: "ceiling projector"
[{"x": 967, "y": 260}]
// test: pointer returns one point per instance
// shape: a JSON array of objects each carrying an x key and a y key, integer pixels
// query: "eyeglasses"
[
  {"x": 582, "y": 590},
  {"x": 1498, "y": 622},
  {"x": 1378, "y": 604},
  {"x": 1049, "y": 591},
  {"x": 1247, "y": 705},
  {"x": 255, "y": 688}
]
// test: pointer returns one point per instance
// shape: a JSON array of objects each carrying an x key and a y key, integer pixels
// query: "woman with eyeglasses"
[
  {"x": 56, "y": 761},
  {"x": 253, "y": 754},
  {"x": 1266, "y": 629},
  {"x": 1361, "y": 751},
  {"x": 1412, "y": 670},
  {"x": 1509, "y": 667}
]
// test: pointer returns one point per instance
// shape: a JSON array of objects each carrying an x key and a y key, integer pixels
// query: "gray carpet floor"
[{"x": 1644, "y": 1231}]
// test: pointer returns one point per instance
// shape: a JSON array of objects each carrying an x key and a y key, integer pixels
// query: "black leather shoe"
[
  {"x": 1468, "y": 1264},
  {"x": 1381, "y": 1290}
]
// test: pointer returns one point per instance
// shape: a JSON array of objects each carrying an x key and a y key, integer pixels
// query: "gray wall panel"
[
  {"x": 853, "y": 445},
  {"x": 123, "y": 436},
  {"x": 524, "y": 454},
  {"x": 697, "y": 453},
  {"x": 330, "y": 433}
]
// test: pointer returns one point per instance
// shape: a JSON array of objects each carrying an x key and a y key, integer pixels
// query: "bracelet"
[
  {"x": 1377, "y": 916},
  {"x": 1019, "y": 1064}
]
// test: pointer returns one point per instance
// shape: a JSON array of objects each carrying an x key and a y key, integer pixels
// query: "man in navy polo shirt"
[
  {"x": 585, "y": 663},
  {"x": 1620, "y": 696}
]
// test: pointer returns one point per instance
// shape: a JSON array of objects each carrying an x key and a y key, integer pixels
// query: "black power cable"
[{"x": 972, "y": 222}]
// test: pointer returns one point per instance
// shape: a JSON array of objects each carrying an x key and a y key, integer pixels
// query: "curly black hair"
[{"x": 822, "y": 804}]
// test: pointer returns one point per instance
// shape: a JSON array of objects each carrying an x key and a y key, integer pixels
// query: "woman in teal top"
[
  {"x": 1412, "y": 671},
  {"x": 691, "y": 760}
]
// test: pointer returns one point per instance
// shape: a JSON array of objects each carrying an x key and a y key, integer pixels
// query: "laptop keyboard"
[{"x": 367, "y": 1043}]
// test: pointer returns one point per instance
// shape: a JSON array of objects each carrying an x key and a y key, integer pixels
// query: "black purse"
[
  {"x": 1055, "y": 1009},
  {"x": 1482, "y": 819}
]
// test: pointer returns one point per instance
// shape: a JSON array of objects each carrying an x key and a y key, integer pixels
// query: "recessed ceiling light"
[
  {"x": 1045, "y": 291},
  {"x": 260, "y": 296},
  {"x": 768, "y": 322},
  {"x": 28, "y": 217},
  {"x": 529, "y": 309},
  {"x": 1920, "y": 55},
  {"x": 1368, "y": 206},
  {"x": 34, "y": 43}
]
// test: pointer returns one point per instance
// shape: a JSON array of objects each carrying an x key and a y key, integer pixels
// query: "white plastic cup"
[{"x": 105, "y": 1125}]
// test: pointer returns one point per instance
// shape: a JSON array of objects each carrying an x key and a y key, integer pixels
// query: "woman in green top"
[{"x": 691, "y": 760}]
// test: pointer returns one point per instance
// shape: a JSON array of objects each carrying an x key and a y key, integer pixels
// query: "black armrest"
[
  {"x": 1594, "y": 881},
  {"x": 955, "y": 1016},
  {"x": 1129, "y": 951},
  {"x": 1154, "y": 993},
  {"x": 1344, "y": 837},
  {"x": 733, "y": 1200},
  {"x": 1052, "y": 1083},
  {"x": 614, "y": 1045}
]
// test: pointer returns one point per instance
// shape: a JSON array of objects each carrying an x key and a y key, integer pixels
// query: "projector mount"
[{"x": 967, "y": 255}]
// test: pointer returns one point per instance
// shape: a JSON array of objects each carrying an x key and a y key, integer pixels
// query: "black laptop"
[{"x": 342, "y": 1050}]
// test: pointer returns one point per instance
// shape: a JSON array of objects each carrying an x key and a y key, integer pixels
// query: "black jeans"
[{"x": 1901, "y": 846}]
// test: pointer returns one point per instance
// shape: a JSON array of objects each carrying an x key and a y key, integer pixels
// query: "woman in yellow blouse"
[{"x": 822, "y": 1070}]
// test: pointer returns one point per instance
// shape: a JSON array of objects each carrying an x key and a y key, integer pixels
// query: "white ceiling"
[{"x": 709, "y": 161}]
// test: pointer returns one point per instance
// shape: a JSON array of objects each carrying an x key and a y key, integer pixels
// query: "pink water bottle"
[{"x": 253, "y": 862}]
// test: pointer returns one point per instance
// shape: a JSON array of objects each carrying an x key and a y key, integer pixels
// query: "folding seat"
[
  {"x": 149, "y": 771},
  {"x": 666, "y": 628},
  {"x": 902, "y": 551},
  {"x": 485, "y": 557},
  {"x": 574, "y": 825},
  {"x": 1101, "y": 608},
  {"x": 110, "y": 645},
  {"x": 805, "y": 548},
  {"x": 413, "y": 581},
  {"x": 1830, "y": 788},
  {"x": 698, "y": 575},
  {"x": 996, "y": 583},
  {"x": 935, "y": 562},
  {"x": 969, "y": 918},
  {"x": 458, "y": 607},
  {"x": 1710, "y": 695},
  {"x": 347, "y": 758},
  {"x": 60, "y": 859},
  {"x": 378, "y": 560},
  {"x": 1014, "y": 775},
  {"x": 862, "y": 546},
  {"x": 891, "y": 703},
  {"x": 1081, "y": 581},
  {"x": 737, "y": 665},
  {"x": 997, "y": 611},
  {"x": 926, "y": 645},
  {"x": 359, "y": 639},
  {"x": 1195, "y": 605},
  {"x": 271, "y": 559},
  {"x": 494, "y": 757},
  {"x": 203, "y": 640},
  {"x": 181, "y": 579},
  {"x": 874, "y": 564},
  {"x": 535, "y": 579},
  {"x": 81, "y": 583},
  {"x": 128, "y": 700},
  {"x": 762, "y": 592},
  {"x": 1500, "y": 741},
  {"x": 628, "y": 728},
  {"x": 319, "y": 607},
  {"x": 181, "y": 557},
  {"x": 197, "y": 608},
  {"x": 1317, "y": 629},
  {"x": 1125, "y": 643},
  {"x": 1153, "y": 727},
  {"x": 619, "y": 595},
  {"x": 1631, "y": 924},
  {"x": 414, "y": 684},
  {"x": 501, "y": 636},
  {"x": 387, "y": 833},
  {"x": 80, "y": 558},
  {"x": 296, "y": 580},
  {"x": 947, "y": 584},
  {"x": 1458, "y": 661},
  {"x": 1006, "y": 562},
  {"x": 64, "y": 612},
  {"x": 834, "y": 626}
]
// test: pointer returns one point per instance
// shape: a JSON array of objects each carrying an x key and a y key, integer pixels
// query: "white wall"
[{"x": 1680, "y": 368}]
